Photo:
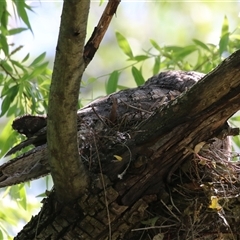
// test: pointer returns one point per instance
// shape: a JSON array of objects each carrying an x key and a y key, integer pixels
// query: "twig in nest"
[
  {"x": 170, "y": 195},
  {"x": 120, "y": 176},
  {"x": 136, "y": 108},
  {"x": 113, "y": 112},
  {"x": 170, "y": 210},
  {"x": 105, "y": 192},
  {"x": 153, "y": 227},
  {"x": 99, "y": 117}
]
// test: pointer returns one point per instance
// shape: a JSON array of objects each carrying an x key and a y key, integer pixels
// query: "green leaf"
[
  {"x": 16, "y": 31},
  {"x": 38, "y": 59},
  {"x": 42, "y": 195},
  {"x": 4, "y": 14},
  {"x": 124, "y": 45},
  {"x": 172, "y": 48},
  {"x": 4, "y": 44},
  {"x": 5, "y": 89},
  {"x": 156, "y": 66},
  {"x": 225, "y": 26},
  {"x": 140, "y": 58},
  {"x": 5, "y": 105},
  {"x": 236, "y": 140},
  {"x": 201, "y": 44},
  {"x": 223, "y": 43},
  {"x": 26, "y": 58},
  {"x": 21, "y": 7},
  {"x": 13, "y": 111},
  {"x": 11, "y": 94},
  {"x": 224, "y": 40},
  {"x": 40, "y": 69},
  {"x": 155, "y": 45},
  {"x": 6, "y": 66},
  {"x": 112, "y": 82},
  {"x": 22, "y": 197},
  {"x": 3, "y": 7},
  {"x": 19, "y": 65},
  {"x": 14, "y": 192},
  {"x": 137, "y": 76},
  {"x": 182, "y": 53}
]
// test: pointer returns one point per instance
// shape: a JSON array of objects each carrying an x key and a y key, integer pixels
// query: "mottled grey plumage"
[{"x": 118, "y": 113}]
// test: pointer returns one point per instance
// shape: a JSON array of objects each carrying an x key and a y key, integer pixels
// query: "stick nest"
[{"x": 202, "y": 202}]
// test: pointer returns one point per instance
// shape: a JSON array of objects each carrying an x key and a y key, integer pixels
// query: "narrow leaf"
[
  {"x": 224, "y": 40},
  {"x": 22, "y": 194},
  {"x": 5, "y": 105},
  {"x": 223, "y": 43},
  {"x": 156, "y": 66},
  {"x": 185, "y": 51},
  {"x": 225, "y": 26},
  {"x": 20, "y": 6},
  {"x": 201, "y": 44},
  {"x": 112, "y": 82},
  {"x": 38, "y": 59},
  {"x": 11, "y": 94},
  {"x": 4, "y": 44},
  {"x": 155, "y": 45},
  {"x": 172, "y": 48},
  {"x": 16, "y": 31},
  {"x": 124, "y": 45},
  {"x": 140, "y": 58},
  {"x": 137, "y": 76},
  {"x": 6, "y": 66},
  {"x": 26, "y": 58}
]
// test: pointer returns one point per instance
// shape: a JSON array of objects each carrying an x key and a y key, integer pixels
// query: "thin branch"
[{"x": 93, "y": 43}]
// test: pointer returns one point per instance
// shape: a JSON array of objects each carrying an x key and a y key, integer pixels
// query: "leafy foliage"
[
  {"x": 24, "y": 84},
  {"x": 198, "y": 56},
  {"x": 24, "y": 88}
]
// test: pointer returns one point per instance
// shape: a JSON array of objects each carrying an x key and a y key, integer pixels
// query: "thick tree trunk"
[{"x": 149, "y": 185}]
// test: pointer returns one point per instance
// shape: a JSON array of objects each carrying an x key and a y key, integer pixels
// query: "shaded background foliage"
[{"x": 143, "y": 39}]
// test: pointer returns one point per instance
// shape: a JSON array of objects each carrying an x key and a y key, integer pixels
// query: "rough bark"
[{"x": 152, "y": 146}]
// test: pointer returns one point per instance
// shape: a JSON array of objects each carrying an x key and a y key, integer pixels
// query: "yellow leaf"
[
  {"x": 214, "y": 203},
  {"x": 203, "y": 161},
  {"x": 119, "y": 158},
  {"x": 198, "y": 147}
]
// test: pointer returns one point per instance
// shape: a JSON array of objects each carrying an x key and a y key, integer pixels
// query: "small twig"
[
  {"x": 173, "y": 202},
  {"x": 120, "y": 176},
  {"x": 153, "y": 227},
  {"x": 99, "y": 117},
  {"x": 136, "y": 108},
  {"x": 170, "y": 210},
  {"x": 104, "y": 190},
  {"x": 113, "y": 112}
]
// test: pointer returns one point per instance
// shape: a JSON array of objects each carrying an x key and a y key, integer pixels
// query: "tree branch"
[
  {"x": 93, "y": 43},
  {"x": 68, "y": 172}
]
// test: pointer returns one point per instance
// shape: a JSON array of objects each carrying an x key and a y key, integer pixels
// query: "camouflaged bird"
[{"x": 119, "y": 114}]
